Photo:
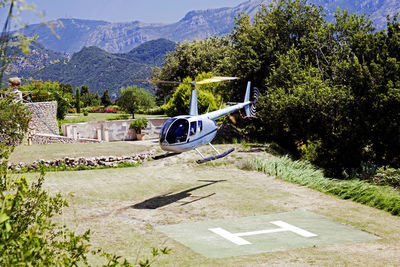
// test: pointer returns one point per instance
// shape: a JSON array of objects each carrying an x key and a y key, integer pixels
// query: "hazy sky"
[{"x": 122, "y": 10}]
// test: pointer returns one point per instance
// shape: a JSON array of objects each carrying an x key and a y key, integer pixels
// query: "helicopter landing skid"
[{"x": 213, "y": 157}]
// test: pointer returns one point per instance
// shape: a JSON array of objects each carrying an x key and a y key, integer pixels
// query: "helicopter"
[{"x": 187, "y": 132}]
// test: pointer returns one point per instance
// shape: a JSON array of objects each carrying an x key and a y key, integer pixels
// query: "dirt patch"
[{"x": 123, "y": 206}]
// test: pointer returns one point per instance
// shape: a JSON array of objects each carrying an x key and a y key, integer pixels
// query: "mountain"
[
  {"x": 38, "y": 58},
  {"x": 377, "y": 9},
  {"x": 73, "y": 34},
  {"x": 122, "y": 37},
  {"x": 96, "y": 67},
  {"x": 64, "y": 35}
]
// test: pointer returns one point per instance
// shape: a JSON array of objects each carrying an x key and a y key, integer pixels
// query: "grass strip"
[{"x": 304, "y": 173}]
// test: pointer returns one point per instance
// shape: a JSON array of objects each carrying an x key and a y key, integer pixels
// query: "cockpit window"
[
  {"x": 165, "y": 128},
  {"x": 200, "y": 125},
  {"x": 178, "y": 131},
  {"x": 193, "y": 128}
]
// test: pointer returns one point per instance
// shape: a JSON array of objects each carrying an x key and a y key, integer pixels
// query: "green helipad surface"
[{"x": 265, "y": 233}]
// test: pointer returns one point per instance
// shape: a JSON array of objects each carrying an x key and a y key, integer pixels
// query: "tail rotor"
[{"x": 256, "y": 95}]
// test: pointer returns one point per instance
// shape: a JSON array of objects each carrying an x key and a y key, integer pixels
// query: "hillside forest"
[{"x": 330, "y": 90}]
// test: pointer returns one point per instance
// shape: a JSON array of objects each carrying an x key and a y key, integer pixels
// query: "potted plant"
[{"x": 138, "y": 125}]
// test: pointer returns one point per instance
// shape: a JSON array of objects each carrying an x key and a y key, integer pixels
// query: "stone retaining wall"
[
  {"x": 110, "y": 161},
  {"x": 107, "y": 131},
  {"x": 43, "y": 139},
  {"x": 43, "y": 117}
]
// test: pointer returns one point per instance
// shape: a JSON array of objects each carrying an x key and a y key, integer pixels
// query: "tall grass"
[{"x": 303, "y": 173}]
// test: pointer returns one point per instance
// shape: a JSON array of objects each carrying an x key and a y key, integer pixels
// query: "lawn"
[
  {"x": 24, "y": 153},
  {"x": 124, "y": 208}
]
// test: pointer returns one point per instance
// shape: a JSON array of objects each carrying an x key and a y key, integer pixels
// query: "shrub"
[
  {"x": 72, "y": 110},
  {"x": 388, "y": 176},
  {"x": 104, "y": 110},
  {"x": 138, "y": 125},
  {"x": 119, "y": 117}
]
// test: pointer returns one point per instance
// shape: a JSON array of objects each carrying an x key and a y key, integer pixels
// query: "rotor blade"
[
  {"x": 216, "y": 79},
  {"x": 160, "y": 81}
]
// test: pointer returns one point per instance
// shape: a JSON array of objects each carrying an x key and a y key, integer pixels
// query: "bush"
[
  {"x": 119, "y": 117},
  {"x": 138, "y": 125},
  {"x": 388, "y": 176},
  {"x": 71, "y": 110},
  {"x": 104, "y": 110}
]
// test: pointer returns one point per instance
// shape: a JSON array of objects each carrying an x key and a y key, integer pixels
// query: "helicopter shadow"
[{"x": 170, "y": 197}]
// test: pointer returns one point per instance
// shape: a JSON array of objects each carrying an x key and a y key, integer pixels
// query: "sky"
[{"x": 121, "y": 10}]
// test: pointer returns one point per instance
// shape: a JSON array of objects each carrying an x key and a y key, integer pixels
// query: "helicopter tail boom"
[{"x": 248, "y": 105}]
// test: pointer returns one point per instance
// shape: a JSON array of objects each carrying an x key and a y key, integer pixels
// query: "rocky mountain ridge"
[{"x": 73, "y": 34}]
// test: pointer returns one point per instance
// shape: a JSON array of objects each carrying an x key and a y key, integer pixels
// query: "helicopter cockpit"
[{"x": 177, "y": 130}]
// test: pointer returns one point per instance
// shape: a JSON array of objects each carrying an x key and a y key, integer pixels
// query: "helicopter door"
[
  {"x": 178, "y": 131},
  {"x": 193, "y": 128}
]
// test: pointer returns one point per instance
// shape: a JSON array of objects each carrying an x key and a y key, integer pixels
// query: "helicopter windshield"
[
  {"x": 178, "y": 131},
  {"x": 165, "y": 128}
]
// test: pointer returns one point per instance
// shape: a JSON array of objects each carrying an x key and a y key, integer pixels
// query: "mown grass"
[{"x": 303, "y": 173}]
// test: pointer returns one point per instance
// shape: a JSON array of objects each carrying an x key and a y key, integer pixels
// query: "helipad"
[{"x": 265, "y": 233}]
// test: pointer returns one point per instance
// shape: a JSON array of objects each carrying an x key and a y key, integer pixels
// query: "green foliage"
[
  {"x": 84, "y": 90},
  {"x": 138, "y": 125},
  {"x": 387, "y": 176},
  {"x": 179, "y": 103},
  {"x": 77, "y": 100},
  {"x": 87, "y": 98},
  {"x": 305, "y": 174},
  {"x": 101, "y": 70},
  {"x": 105, "y": 99},
  {"x": 27, "y": 234},
  {"x": 189, "y": 60},
  {"x": 133, "y": 98},
  {"x": 330, "y": 91},
  {"x": 119, "y": 117},
  {"x": 14, "y": 121},
  {"x": 51, "y": 91},
  {"x": 90, "y": 100}
]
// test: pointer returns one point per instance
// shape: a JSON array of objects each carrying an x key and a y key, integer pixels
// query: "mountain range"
[
  {"x": 74, "y": 34},
  {"x": 93, "y": 66},
  {"x": 111, "y": 55}
]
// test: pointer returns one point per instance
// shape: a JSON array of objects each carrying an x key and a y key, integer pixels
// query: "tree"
[
  {"x": 189, "y": 60},
  {"x": 84, "y": 90},
  {"x": 77, "y": 100},
  {"x": 105, "y": 99},
  {"x": 90, "y": 99},
  {"x": 133, "y": 99},
  {"x": 67, "y": 87},
  {"x": 129, "y": 100},
  {"x": 178, "y": 104}
]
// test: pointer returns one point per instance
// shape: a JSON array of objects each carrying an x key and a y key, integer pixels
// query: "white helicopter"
[{"x": 186, "y": 132}]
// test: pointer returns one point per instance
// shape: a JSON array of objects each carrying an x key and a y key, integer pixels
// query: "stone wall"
[
  {"x": 43, "y": 118},
  {"x": 117, "y": 130},
  {"x": 109, "y": 161},
  {"x": 52, "y": 139}
]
